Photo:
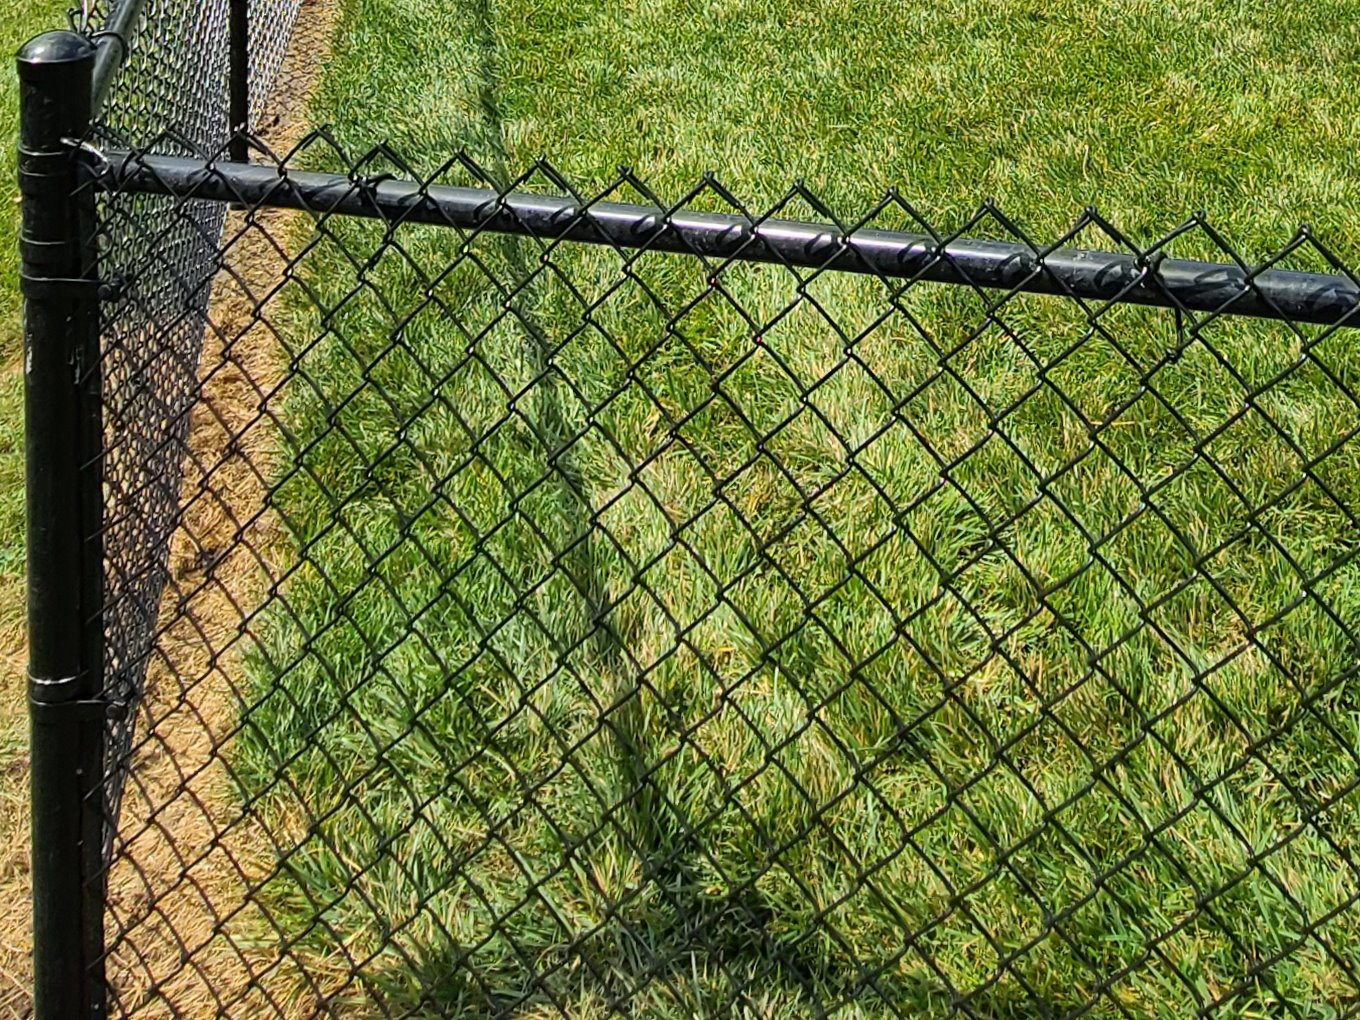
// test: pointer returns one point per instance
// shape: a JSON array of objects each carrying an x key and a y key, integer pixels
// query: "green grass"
[{"x": 828, "y": 704}]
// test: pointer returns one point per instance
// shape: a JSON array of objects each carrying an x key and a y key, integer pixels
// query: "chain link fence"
[
  {"x": 163, "y": 79},
  {"x": 617, "y": 604},
  {"x": 678, "y": 609}
]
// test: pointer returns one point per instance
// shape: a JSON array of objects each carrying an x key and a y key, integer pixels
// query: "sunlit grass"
[{"x": 767, "y": 645}]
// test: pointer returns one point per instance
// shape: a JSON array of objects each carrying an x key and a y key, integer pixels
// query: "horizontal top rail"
[{"x": 1098, "y": 276}]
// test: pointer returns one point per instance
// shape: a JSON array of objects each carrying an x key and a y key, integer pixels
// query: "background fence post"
[
  {"x": 65, "y": 569},
  {"x": 238, "y": 14}
]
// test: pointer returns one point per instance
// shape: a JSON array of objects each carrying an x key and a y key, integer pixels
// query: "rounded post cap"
[{"x": 55, "y": 48}]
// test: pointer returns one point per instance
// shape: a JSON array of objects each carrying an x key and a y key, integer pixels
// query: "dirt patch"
[{"x": 184, "y": 935}]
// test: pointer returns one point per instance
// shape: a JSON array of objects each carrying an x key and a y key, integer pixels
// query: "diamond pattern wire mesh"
[
  {"x": 169, "y": 95},
  {"x": 569, "y": 630}
]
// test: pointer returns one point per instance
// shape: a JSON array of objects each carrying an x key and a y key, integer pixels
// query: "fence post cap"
[{"x": 55, "y": 48}]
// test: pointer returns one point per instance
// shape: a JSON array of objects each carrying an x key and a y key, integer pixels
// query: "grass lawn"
[{"x": 874, "y": 685}]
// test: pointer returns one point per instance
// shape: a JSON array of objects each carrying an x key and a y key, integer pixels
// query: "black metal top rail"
[{"x": 1097, "y": 276}]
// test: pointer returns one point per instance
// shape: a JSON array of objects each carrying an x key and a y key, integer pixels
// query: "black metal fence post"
[
  {"x": 238, "y": 15},
  {"x": 62, "y": 444}
]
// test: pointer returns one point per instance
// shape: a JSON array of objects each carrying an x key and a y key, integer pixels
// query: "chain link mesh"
[
  {"x": 169, "y": 94},
  {"x": 584, "y": 630}
]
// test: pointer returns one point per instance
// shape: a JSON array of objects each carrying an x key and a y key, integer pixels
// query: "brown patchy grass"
[{"x": 14, "y": 882}]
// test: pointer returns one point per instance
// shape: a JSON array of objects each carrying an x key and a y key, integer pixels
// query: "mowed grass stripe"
[{"x": 842, "y": 666}]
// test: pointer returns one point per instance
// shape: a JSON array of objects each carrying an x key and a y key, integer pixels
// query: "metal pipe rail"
[
  {"x": 1096, "y": 276},
  {"x": 112, "y": 48}
]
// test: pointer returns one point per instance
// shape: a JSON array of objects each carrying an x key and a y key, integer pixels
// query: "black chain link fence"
[
  {"x": 163, "y": 81},
  {"x": 613, "y": 604},
  {"x": 522, "y": 602}
]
